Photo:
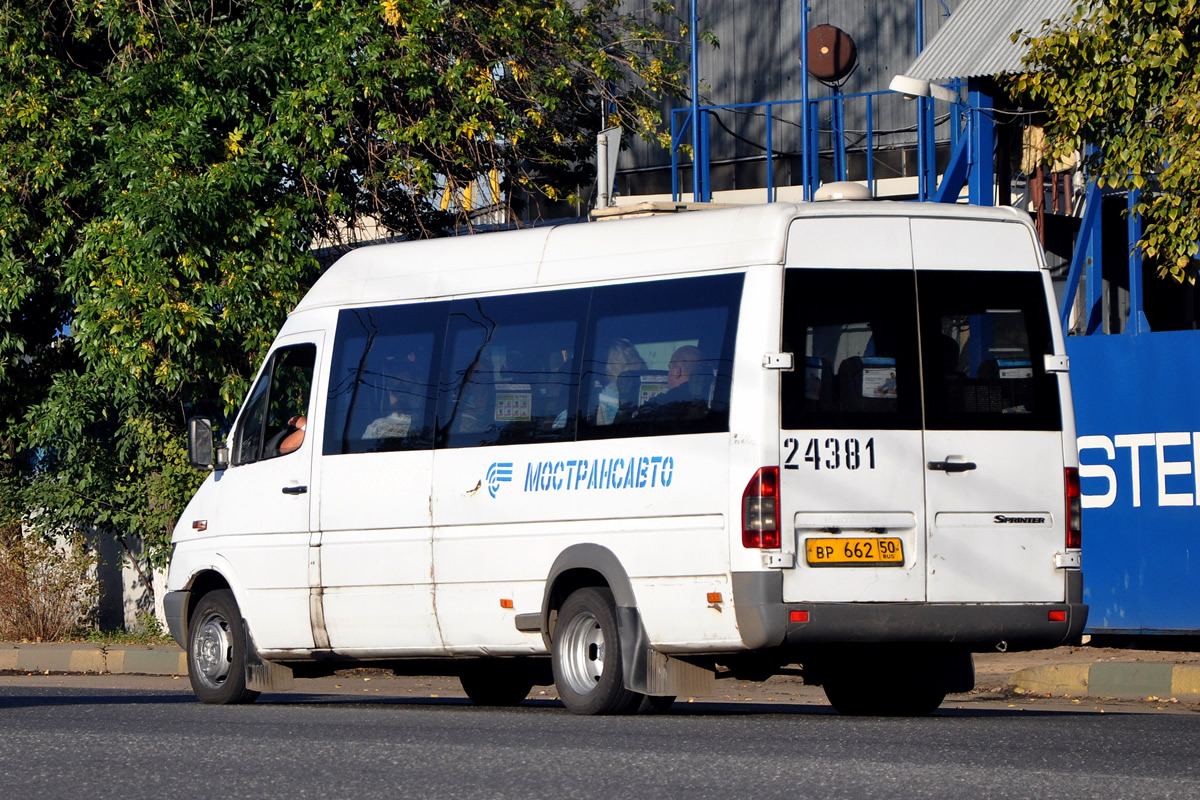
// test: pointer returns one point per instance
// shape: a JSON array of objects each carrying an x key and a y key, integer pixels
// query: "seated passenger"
[
  {"x": 623, "y": 357},
  {"x": 403, "y": 401},
  {"x": 393, "y": 425},
  {"x": 688, "y": 385}
]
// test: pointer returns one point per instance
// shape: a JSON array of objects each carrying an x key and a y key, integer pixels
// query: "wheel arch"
[
  {"x": 205, "y": 579},
  {"x": 577, "y": 567}
]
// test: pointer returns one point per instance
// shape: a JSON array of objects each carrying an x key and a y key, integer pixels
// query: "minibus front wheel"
[
  {"x": 586, "y": 655},
  {"x": 217, "y": 650}
]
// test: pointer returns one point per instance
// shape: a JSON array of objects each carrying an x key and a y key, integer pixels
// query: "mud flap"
[
  {"x": 264, "y": 676},
  {"x": 650, "y": 672}
]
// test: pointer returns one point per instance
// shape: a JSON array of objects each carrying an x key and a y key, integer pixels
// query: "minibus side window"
[
  {"x": 660, "y": 357},
  {"x": 275, "y": 414},
  {"x": 983, "y": 337},
  {"x": 381, "y": 387},
  {"x": 853, "y": 339},
  {"x": 510, "y": 374}
]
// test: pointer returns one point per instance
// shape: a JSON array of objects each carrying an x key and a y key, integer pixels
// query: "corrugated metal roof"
[{"x": 975, "y": 41}]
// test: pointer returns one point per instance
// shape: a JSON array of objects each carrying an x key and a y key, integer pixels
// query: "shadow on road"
[
  {"x": 83, "y": 697},
  {"x": 20, "y": 697}
]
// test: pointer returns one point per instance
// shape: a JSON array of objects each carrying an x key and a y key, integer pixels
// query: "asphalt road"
[{"x": 65, "y": 739}]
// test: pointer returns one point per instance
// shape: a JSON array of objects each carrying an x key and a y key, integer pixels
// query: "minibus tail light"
[
  {"x": 760, "y": 510},
  {"x": 1074, "y": 510}
]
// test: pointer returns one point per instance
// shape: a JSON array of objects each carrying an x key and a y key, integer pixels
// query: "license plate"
[{"x": 874, "y": 552}]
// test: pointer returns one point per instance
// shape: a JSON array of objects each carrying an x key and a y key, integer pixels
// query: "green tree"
[
  {"x": 165, "y": 168},
  {"x": 1124, "y": 77}
]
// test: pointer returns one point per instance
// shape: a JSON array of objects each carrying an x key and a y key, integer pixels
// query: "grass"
[
  {"x": 126, "y": 637},
  {"x": 149, "y": 632}
]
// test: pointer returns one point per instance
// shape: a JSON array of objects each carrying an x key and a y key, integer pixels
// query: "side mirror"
[{"x": 200, "y": 442}]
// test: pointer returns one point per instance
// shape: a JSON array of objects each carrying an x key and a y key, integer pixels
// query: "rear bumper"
[{"x": 766, "y": 621}]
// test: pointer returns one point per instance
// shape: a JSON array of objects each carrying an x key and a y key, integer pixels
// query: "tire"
[
  {"x": 586, "y": 656},
  {"x": 496, "y": 683},
  {"x": 217, "y": 651},
  {"x": 887, "y": 682},
  {"x": 852, "y": 698}
]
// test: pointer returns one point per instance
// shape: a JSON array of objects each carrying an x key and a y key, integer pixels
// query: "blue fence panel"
[{"x": 1139, "y": 451}]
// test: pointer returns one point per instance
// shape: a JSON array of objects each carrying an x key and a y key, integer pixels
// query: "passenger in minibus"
[
  {"x": 623, "y": 358},
  {"x": 688, "y": 386},
  {"x": 402, "y": 400},
  {"x": 393, "y": 425}
]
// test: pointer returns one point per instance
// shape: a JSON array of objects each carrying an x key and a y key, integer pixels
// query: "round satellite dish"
[
  {"x": 832, "y": 54},
  {"x": 841, "y": 190}
]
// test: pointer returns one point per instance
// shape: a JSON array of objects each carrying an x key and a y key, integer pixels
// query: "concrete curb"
[
  {"x": 112, "y": 659},
  {"x": 1122, "y": 680}
]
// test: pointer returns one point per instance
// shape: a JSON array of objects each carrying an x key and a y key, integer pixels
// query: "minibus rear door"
[
  {"x": 993, "y": 443},
  {"x": 851, "y": 460}
]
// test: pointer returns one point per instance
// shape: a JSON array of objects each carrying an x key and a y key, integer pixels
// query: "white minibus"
[{"x": 633, "y": 457}]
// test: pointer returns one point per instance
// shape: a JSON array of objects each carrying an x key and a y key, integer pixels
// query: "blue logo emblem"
[{"x": 498, "y": 473}]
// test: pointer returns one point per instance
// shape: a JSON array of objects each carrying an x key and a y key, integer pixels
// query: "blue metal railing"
[{"x": 961, "y": 118}]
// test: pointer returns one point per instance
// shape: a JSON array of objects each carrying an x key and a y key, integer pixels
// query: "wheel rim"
[
  {"x": 582, "y": 659},
  {"x": 212, "y": 650}
]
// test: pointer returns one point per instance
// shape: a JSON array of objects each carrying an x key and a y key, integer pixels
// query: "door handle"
[
  {"x": 952, "y": 466},
  {"x": 295, "y": 489}
]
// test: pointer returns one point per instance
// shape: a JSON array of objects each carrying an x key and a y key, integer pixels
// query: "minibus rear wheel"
[
  {"x": 496, "y": 683},
  {"x": 217, "y": 650},
  {"x": 586, "y": 655},
  {"x": 855, "y": 698}
]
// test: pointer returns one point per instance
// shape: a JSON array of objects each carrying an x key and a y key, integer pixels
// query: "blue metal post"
[
  {"x": 813, "y": 148},
  {"x": 838, "y": 118},
  {"x": 956, "y": 126},
  {"x": 770, "y": 159},
  {"x": 1093, "y": 274},
  {"x": 920, "y": 26},
  {"x": 925, "y": 186},
  {"x": 674, "y": 160},
  {"x": 1137, "y": 315},
  {"x": 870, "y": 147},
  {"x": 981, "y": 179},
  {"x": 805, "y": 170},
  {"x": 695, "y": 107},
  {"x": 705, "y": 175},
  {"x": 1086, "y": 264}
]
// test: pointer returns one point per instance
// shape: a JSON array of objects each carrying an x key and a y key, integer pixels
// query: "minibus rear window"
[
  {"x": 984, "y": 336},
  {"x": 853, "y": 337}
]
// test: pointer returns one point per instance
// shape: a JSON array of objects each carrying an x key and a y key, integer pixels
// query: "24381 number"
[{"x": 833, "y": 453}]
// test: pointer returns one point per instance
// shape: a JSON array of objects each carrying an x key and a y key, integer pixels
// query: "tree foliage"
[
  {"x": 166, "y": 166},
  {"x": 1123, "y": 76}
]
